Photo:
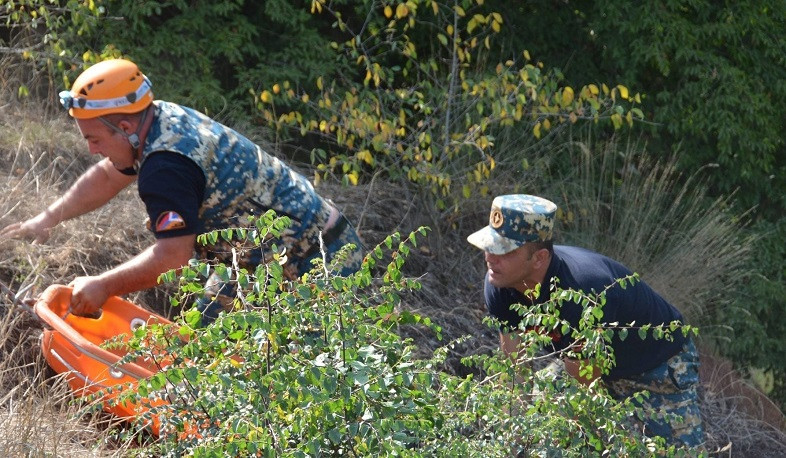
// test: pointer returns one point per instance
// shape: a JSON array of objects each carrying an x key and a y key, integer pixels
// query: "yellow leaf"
[
  {"x": 265, "y": 97},
  {"x": 459, "y": 10},
  {"x": 536, "y": 130},
  {"x": 623, "y": 91},
  {"x": 276, "y": 88},
  {"x": 616, "y": 119},
  {"x": 304, "y": 98},
  {"x": 605, "y": 89},
  {"x": 487, "y": 43},
  {"x": 272, "y": 340},
  {"x": 593, "y": 89},
  {"x": 495, "y": 26},
  {"x": 435, "y": 7},
  {"x": 567, "y": 96},
  {"x": 388, "y": 11},
  {"x": 471, "y": 25},
  {"x": 637, "y": 98},
  {"x": 466, "y": 191},
  {"x": 526, "y": 55},
  {"x": 449, "y": 29},
  {"x": 629, "y": 118},
  {"x": 546, "y": 124},
  {"x": 573, "y": 118},
  {"x": 401, "y": 11},
  {"x": 319, "y": 83},
  {"x": 366, "y": 157}
]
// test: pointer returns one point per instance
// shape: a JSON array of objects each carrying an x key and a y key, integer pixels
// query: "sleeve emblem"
[{"x": 168, "y": 221}]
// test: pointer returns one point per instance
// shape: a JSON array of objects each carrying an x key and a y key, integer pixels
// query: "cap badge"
[{"x": 496, "y": 219}]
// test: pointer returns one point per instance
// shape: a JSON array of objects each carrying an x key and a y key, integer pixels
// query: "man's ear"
[
  {"x": 542, "y": 256},
  {"x": 126, "y": 126}
]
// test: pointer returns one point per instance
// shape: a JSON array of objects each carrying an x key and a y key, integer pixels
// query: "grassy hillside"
[{"x": 682, "y": 246}]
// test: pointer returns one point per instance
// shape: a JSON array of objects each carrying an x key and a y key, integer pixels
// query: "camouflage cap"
[{"x": 515, "y": 219}]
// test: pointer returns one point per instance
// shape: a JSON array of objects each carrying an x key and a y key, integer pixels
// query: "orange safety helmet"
[{"x": 108, "y": 87}]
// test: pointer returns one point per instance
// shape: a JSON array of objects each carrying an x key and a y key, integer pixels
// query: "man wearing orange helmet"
[{"x": 194, "y": 175}]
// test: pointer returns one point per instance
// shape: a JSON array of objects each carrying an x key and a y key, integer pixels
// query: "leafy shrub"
[
  {"x": 758, "y": 316},
  {"x": 416, "y": 99},
  {"x": 713, "y": 75},
  {"x": 315, "y": 367}
]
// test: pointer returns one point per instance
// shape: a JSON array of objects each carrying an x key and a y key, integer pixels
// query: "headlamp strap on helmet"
[
  {"x": 69, "y": 100},
  {"x": 133, "y": 139}
]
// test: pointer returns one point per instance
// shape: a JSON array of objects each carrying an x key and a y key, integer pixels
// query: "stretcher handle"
[{"x": 43, "y": 310}]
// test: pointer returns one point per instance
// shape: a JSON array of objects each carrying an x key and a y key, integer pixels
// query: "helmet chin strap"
[{"x": 133, "y": 140}]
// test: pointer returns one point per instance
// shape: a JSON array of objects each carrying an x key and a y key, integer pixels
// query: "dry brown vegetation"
[{"x": 661, "y": 237}]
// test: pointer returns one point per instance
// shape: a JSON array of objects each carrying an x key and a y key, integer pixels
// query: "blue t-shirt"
[
  {"x": 172, "y": 188},
  {"x": 590, "y": 272}
]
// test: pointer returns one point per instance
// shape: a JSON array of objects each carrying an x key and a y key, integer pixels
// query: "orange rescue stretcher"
[{"x": 73, "y": 347}]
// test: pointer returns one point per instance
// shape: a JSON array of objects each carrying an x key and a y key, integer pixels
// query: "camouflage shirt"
[{"x": 240, "y": 178}]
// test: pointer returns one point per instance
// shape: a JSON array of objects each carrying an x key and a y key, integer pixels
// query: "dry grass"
[{"x": 661, "y": 229}]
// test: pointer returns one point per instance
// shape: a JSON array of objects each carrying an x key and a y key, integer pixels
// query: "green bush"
[
  {"x": 759, "y": 313},
  {"x": 417, "y": 100},
  {"x": 316, "y": 367},
  {"x": 211, "y": 54},
  {"x": 713, "y": 74}
]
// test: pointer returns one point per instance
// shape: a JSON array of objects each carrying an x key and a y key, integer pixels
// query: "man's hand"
[
  {"x": 36, "y": 229},
  {"x": 88, "y": 295}
]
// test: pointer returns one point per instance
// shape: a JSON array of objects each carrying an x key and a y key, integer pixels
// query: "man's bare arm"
[
  {"x": 138, "y": 273},
  {"x": 97, "y": 186}
]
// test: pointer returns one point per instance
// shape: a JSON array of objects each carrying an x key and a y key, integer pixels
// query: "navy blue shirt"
[
  {"x": 590, "y": 272},
  {"x": 172, "y": 187}
]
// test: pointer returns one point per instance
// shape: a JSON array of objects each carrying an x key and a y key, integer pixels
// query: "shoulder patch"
[{"x": 168, "y": 221}]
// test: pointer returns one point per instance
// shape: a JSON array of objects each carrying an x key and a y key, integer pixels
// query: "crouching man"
[{"x": 520, "y": 255}]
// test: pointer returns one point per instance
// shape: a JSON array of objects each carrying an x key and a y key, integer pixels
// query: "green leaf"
[{"x": 193, "y": 318}]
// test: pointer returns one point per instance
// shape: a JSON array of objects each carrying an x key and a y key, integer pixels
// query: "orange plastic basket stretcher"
[{"x": 72, "y": 347}]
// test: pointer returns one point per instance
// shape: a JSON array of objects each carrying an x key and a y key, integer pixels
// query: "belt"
[{"x": 328, "y": 236}]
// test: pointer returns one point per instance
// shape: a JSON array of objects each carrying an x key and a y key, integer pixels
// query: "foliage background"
[{"x": 710, "y": 76}]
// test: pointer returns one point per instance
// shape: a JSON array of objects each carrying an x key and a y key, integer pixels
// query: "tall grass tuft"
[{"x": 690, "y": 248}]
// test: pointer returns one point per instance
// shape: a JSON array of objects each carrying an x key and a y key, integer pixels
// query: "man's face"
[
  {"x": 106, "y": 142},
  {"x": 516, "y": 269}
]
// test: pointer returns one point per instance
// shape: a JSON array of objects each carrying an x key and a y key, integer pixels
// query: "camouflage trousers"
[
  {"x": 673, "y": 391},
  {"x": 344, "y": 235},
  {"x": 219, "y": 294}
]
